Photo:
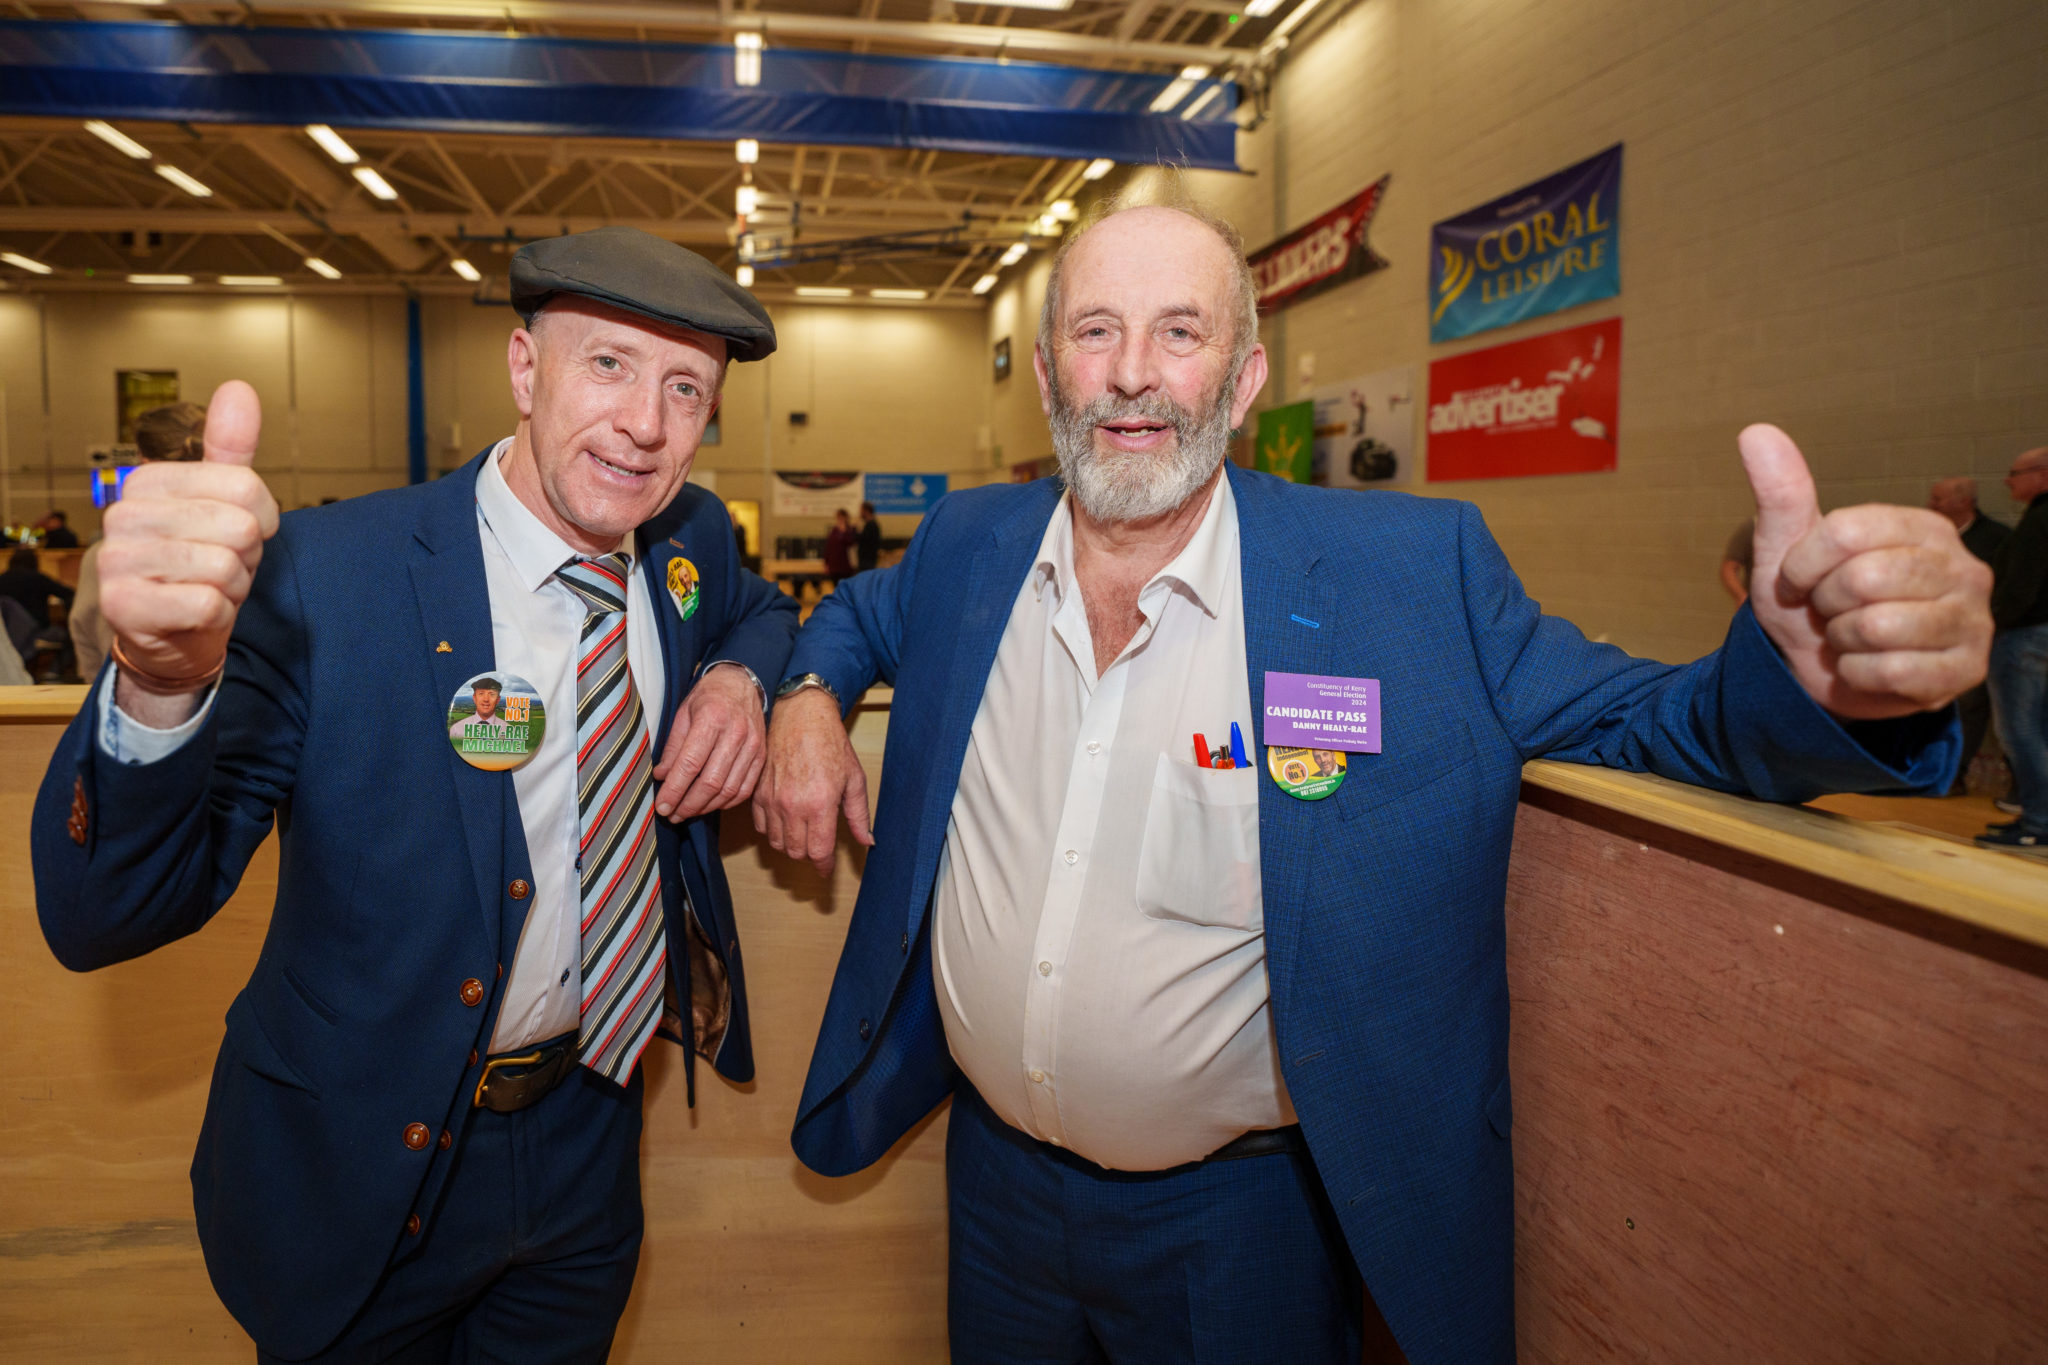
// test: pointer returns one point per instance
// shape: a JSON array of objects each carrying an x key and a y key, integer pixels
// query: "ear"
[
  {"x": 522, "y": 359},
  {"x": 1038, "y": 368},
  {"x": 1249, "y": 381}
]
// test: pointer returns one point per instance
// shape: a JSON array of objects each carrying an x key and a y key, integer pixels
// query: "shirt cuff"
[
  {"x": 127, "y": 740},
  {"x": 759, "y": 691}
]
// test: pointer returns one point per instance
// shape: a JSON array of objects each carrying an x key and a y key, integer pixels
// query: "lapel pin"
[
  {"x": 682, "y": 586},
  {"x": 443, "y": 648}
]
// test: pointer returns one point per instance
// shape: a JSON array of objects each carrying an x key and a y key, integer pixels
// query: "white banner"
[{"x": 1365, "y": 431}]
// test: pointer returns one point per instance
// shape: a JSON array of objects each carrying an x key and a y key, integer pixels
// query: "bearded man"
[{"x": 1220, "y": 1036}]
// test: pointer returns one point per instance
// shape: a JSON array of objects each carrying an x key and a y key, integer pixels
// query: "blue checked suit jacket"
[
  {"x": 395, "y": 866},
  {"x": 1385, "y": 932}
]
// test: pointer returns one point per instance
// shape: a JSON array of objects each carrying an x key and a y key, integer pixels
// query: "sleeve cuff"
[
  {"x": 127, "y": 740},
  {"x": 759, "y": 691}
]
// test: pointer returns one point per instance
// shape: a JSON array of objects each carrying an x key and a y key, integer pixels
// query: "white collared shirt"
[{"x": 1098, "y": 929}]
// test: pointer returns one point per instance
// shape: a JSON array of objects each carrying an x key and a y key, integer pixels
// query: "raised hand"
[
  {"x": 182, "y": 546},
  {"x": 1879, "y": 610},
  {"x": 812, "y": 778}
]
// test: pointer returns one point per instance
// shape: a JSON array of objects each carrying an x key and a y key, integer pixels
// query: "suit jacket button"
[
  {"x": 412, "y": 1226},
  {"x": 417, "y": 1136},
  {"x": 472, "y": 1056},
  {"x": 865, "y": 1030},
  {"x": 447, "y": 1140},
  {"x": 520, "y": 888},
  {"x": 472, "y": 992}
]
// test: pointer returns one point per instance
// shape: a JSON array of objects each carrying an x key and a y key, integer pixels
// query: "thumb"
[
  {"x": 234, "y": 419},
  {"x": 1786, "y": 505},
  {"x": 854, "y": 802}
]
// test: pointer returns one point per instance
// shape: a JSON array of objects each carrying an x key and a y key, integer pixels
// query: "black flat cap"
[{"x": 641, "y": 273}]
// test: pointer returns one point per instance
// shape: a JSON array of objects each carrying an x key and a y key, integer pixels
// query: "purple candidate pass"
[{"x": 1307, "y": 711}]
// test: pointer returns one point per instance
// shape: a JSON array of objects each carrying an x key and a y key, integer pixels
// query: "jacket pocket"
[
  {"x": 255, "y": 1049},
  {"x": 1199, "y": 862}
]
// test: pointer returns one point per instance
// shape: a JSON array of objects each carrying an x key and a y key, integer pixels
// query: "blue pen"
[{"x": 1237, "y": 754}]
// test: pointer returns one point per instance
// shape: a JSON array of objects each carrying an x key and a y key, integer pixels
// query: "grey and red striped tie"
[{"x": 624, "y": 949}]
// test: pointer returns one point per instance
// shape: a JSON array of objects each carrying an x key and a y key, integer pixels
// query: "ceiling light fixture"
[
  {"x": 322, "y": 269},
  {"x": 984, "y": 284},
  {"x": 745, "y": 200},
  {"x": 1098, "y": 168},
  {"x": 24, "y": 263},
  {"x": 465, "y": 269},
  {"x": 331, "y": 143},
  {"x": 746, "y": 58},
  {"x": 745, "y": 276},
  {"x": 183, "y": 181},
  {"x": 159, "y": 279},
  {"x": 1178, "y": 90},
  {"x": 1015, "y": 253},
  {"x": 1259, "y": 9},
  {"x": 898, "y": 293},
  {"x": 746, "y": 151},
  {"x": 1038, "y": 4},
  {"x": 374, "y": 183},
  {"x": 822, "y": 291},
  {"x": 251, "y": 281},
  {"x": 115, "y": 138},
  {"x": 1286, "y": 26},
  {"x": 1063, "y": 210}
]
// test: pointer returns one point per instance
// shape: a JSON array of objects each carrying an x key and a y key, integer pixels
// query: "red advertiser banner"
[
  {"x": 1546, "y": 405},
  {"x": 1327, "y": 252}
]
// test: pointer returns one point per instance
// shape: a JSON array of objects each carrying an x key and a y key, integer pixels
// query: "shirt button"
[
  {"x": 1045, "y": 969},
  {"x": 1072, "y": 857},
  {"x": 565, "y": 976},
  {"x": 1094, "y": 746},
  {"x": 1037, "y": 1076}
]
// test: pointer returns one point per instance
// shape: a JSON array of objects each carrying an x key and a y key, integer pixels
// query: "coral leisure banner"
[
  {"x": 1327, "y": 252},
  {"x": 1537, "y": 249},
  {"x": 1545, "y": 405}
]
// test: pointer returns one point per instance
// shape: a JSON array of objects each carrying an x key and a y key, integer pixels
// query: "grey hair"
[{"x": 1171, "y": 194}]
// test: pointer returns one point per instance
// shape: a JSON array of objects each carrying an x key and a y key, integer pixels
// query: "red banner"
[
  {"x": 1546, "y": 405},
  {"x": 1327, "y": 252}
]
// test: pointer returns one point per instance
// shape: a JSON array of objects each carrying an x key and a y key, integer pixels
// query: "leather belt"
[
  {"x": 1260, "y": 1142},
  {"x": 513, "y": 1081}
]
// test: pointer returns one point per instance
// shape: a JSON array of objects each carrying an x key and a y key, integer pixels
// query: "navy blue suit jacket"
[
  {"x": 1385, "y": 933},
  {"x": 395, "y": 865}
]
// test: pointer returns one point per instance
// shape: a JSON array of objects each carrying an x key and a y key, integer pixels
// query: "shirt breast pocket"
[{"x": 1199, "y": 862}]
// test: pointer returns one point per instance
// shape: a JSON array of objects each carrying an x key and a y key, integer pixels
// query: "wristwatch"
[{"x": 804, "y": 680}]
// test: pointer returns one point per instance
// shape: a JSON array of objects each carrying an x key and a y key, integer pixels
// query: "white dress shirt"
[
  {"x": 536, "y": 632},
  {"x": 1098, "y": 930}
]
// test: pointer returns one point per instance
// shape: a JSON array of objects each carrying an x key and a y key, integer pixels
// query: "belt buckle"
[{"x": 483, "y": 1081}]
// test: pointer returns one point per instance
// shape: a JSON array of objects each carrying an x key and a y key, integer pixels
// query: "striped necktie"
[{"x": 624, "y": 949}]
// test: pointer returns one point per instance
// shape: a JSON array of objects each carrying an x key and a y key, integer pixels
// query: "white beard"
[{"x": 1117, "y": 487}]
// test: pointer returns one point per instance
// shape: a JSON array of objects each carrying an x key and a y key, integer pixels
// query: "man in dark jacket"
[
  {"x": 27, "y": 584},
  {"x": 2019, "y": 657},
  {"x": 868, "y": 553}
]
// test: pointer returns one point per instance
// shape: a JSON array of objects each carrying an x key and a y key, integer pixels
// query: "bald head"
[
  {"x": 2029, "y": 477},
  {"x": 1955, "y": 499},
  {"x": 1204, "y": 251}
]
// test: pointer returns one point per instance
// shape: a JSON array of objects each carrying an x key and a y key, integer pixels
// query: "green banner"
[{"x": 1287, "y": 441}]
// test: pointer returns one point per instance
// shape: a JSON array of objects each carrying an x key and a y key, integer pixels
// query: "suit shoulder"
[{"x": 1363, "y": 509}]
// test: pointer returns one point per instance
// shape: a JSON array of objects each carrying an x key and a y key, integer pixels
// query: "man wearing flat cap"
[{"x": 422, "y": 1141}]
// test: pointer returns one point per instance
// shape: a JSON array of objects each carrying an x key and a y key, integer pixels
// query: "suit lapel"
[
  {"x": 1283, "y": 595},
  {"x": 453, "y": 600}
]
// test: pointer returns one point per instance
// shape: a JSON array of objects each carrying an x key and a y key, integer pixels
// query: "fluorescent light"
[
  {"x": 984, "y": 284},
  {"x": 746, "y": 151},
  {"x": 159, "y": 279},
  {"x": 465, "y": 269},
  {"x": 1046, "y": 226},
  {"x": 1063, "y": 209},
  {"x": 331, "y": 143},
  {"x": 24, "y": 263},
  {"x": 745, "y": 200},
  {"x": 1015, "y": 253},
  {"x": 1278, "y": 39},
  {"x": 1037, "y": 4},
  {"x": 897, "y": 293},
  {"x": 321, "y": 268},
  {"x": 1259, "y": 9},
  {"x": 114, "y": 137},
  {"x": 1178, "y": 90},
  {"x": 1098, "y": 168},
  {"x": 821, "y": 291},
  {"x": 374, "y": 183},
  {"x": 183, "y": 181},
  {"x": 251, "y": 281},
  {"x": 1208, "y": 97},
  {"x": 745, "y": 276},
  {"x": 746, "y": 58}
]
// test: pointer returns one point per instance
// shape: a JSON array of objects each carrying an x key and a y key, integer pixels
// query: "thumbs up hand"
[
  {"x": 1878, "y": 610},
  {"x": 181, "y": 550}
]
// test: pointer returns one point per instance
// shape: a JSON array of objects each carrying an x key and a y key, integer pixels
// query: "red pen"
[{"x": 1202, "y": 753}]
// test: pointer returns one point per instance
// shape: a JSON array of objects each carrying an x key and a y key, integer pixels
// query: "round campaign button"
[
  {"x": 1307, "y": 774},
  {"x": 682, "y": 586},
  {"x": 496, "y": 720}
]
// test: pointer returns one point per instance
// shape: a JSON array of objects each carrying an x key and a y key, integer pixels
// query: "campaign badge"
[
  {"x": 1306, "y": 774},
  {"x": 682, "y": 586},
  {"x": 496, "y": 720}
]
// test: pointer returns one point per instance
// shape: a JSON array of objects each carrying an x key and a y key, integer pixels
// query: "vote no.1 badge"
[
  {"x": 682, "y": 586},
  {"x": 496, "y": 720},
  {"x": 1306, "y": 774}
]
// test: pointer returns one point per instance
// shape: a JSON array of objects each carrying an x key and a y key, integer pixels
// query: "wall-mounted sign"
[
  {"x": 1327, "y": 252},
  {"x": 1287, "y": 438},
  {"x": 136, "y": 392},
  {"x": 1532, "y": 251},
  {"x": 1545, "y": 405},
  {"x": 904, "y": 494},
  {"x": 814, "y": 492},
  {"x": 1365, "y": 430}
]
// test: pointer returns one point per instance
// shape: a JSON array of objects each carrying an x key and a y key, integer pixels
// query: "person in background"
[
  {"x": 170, "y": 433},
  {"x": 2019, "y": 657},
  {"x": 870, "y": 538},
  {"x": 839, "y": 543},
  {"x": 1956, "y": 499},
  {"x": 1735, "y": 561},
  {"x": 28, "y": 586},
  {"x": 57, "y": 532}
]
